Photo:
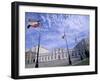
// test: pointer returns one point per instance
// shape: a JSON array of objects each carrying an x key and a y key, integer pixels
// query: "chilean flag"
[{"x": 33, "y": 24}]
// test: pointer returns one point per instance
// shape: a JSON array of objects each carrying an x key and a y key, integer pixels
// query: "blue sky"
[{"x": 52, "y": 29}]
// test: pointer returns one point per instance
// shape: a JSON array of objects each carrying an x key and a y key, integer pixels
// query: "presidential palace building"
[{"x": 57, "y": 56}]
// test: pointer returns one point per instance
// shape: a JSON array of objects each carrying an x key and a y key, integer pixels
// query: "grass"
[{"x": 84, "y": 62}]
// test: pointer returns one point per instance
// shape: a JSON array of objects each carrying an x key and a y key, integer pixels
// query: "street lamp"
[{"x": 64, "y": 37}]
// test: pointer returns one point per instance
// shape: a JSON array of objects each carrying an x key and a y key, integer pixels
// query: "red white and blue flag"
[{"x": 33, "y": 24}]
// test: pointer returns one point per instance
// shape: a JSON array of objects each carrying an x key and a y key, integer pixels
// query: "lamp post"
[{"x": 64, "y": 37}]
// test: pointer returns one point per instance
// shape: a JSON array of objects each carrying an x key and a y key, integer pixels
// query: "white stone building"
[{"x": 46, "y": 55}]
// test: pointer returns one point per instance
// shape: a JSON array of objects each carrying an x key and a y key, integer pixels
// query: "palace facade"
[{"x": 78, "y": 53}]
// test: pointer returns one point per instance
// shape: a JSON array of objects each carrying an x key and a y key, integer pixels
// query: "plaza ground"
[{"x": 57, "y": 63}]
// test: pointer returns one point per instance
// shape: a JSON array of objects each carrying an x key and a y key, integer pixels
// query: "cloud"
[{"x": 52, "y": 29}]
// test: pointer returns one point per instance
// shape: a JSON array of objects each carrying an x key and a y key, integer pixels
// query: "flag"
[{"x": 33, "y": 24}]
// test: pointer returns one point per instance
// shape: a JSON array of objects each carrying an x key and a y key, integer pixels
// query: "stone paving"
[{"x": 54, "y": 63}]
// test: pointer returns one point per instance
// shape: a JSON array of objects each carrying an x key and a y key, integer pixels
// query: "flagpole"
[
  {"x": 37, "y": 63},
  {"x": 35, "y": 24},
  {"x": 69, "y": 59}
]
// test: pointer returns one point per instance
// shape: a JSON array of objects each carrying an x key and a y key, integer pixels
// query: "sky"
[{"x": 52, "y": 27}]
